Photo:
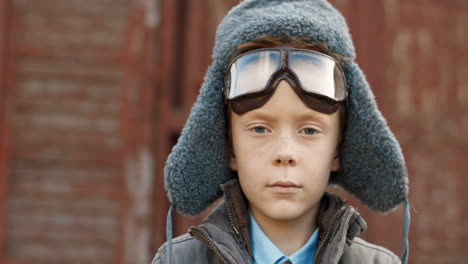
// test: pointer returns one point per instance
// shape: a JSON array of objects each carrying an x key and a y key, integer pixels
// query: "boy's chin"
[{"x": 286, "y": 213}]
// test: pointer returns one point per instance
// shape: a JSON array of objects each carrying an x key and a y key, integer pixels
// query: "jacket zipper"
[
  {"x": 231, "y": 218},
  {"x": 327, "y": 233},
  {"x": 236, "y": 233},
  {"x": 203, "y": 236}
]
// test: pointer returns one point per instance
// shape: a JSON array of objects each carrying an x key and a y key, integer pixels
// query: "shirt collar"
[
  {"x": 264, "y": 251},
  {"x": 307, "y": 252}
]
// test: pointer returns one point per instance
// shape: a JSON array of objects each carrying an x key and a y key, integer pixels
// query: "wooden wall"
[{"x": 94, "y": 95}]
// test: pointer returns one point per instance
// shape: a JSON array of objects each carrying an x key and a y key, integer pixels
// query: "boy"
[{"x": 297, "y": 114}]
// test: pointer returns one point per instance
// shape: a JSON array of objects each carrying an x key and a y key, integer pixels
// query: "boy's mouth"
[{"x": 284, "y": 187}]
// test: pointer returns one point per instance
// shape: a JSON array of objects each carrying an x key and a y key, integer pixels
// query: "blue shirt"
[{"x": 265, "y": 252}]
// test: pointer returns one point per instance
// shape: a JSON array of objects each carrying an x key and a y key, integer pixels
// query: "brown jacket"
[{"x": 224, "y": 237}]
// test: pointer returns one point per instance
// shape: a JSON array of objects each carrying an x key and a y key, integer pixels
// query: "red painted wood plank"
[{"x": 7, "y": 27}]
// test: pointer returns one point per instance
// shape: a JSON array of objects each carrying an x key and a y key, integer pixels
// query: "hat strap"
[
  {"x": 169, "y": 235},
  {"x": 406, "y": 232}
]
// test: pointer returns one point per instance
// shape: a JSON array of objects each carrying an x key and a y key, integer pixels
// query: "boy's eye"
[
  {"x": 309, "y": 131},
  {"x": 260, "y": 129}
]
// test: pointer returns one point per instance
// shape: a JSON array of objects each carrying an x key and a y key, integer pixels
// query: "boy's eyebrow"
[
  {"x": 258, "y": 113},
  {"x": 314, "y": 116}
]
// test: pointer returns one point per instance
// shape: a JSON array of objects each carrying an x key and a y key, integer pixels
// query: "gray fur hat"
[{"x": 372, "y": 165}]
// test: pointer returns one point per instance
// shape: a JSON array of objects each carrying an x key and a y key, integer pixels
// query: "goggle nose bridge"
[{"x": 285, "y": 73}]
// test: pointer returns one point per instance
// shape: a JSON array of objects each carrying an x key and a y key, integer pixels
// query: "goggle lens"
[
  {"x": 316, "y": 74},
  {"x": 251, "y": 73}
]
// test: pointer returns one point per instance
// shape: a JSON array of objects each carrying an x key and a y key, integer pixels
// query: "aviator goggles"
[{"x": 253, "y": 76}]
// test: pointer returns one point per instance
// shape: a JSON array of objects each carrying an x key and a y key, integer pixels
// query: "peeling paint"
[
  {"x": 152, "y": 13},
  {"x": 139, "y": 180},
  {"x": 425, "y": 41},
  {"x": 392, "y": 11},
  {"x": 402, "y": 70},
  {"x": 428, "y": 94}
]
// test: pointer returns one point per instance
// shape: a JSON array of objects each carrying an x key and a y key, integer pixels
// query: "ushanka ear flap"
[
  {"x": 372, "y": 164},
  {"x": 197, "y": 164}
]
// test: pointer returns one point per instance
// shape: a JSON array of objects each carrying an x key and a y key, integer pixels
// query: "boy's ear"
[
  {"x": 232, "y": 163},
  {"x": 336, "y": 161}
]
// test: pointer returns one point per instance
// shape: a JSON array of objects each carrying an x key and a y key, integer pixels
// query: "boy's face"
[{"x": 284, "y": 152}]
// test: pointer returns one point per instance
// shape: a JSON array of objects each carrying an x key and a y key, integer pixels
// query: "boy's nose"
[
  {"x": 285, "y": 154},
  {"x": 285, "y": 160}
]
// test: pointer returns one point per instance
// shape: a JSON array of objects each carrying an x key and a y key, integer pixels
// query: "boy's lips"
[{"x": 284, "y": 187}]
